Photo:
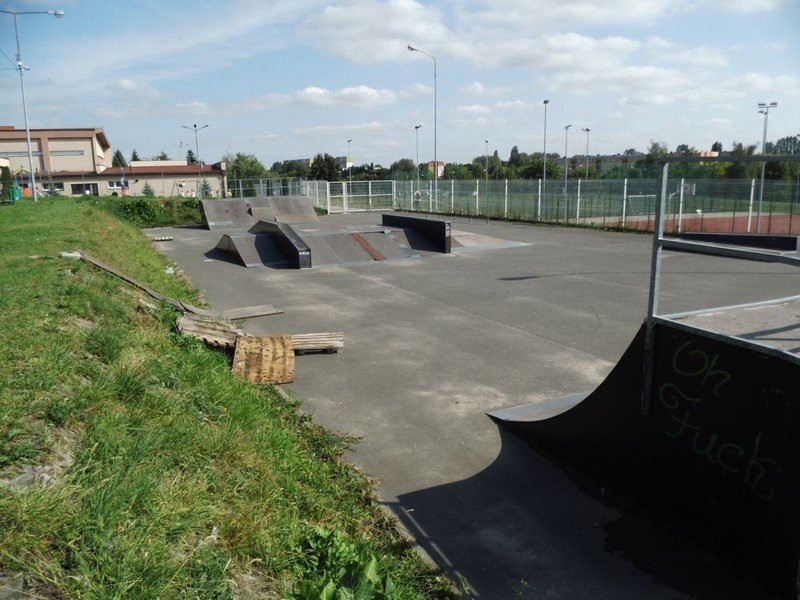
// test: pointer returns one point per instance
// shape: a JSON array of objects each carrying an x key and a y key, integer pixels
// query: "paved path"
[{"x": 432, "y": 344}]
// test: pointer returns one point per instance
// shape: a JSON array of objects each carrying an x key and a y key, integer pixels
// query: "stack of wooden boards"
[{"x": 264, "y": 359}]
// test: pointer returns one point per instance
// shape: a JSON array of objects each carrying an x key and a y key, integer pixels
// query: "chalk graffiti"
[{"x": 739, "y": 457}]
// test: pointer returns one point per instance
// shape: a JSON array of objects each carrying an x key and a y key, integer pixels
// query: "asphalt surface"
[{"x": 433, "y": 343}]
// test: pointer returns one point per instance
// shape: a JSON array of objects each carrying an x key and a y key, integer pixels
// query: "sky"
[{"x": 286, "y": 79}]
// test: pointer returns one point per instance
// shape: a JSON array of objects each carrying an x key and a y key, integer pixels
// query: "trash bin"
[{"x": 15, "y": 193}]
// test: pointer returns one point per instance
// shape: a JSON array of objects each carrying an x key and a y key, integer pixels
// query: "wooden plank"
[
  {"x": 267, "y": 359},
  {"x": 317, "y": 342},
  {"x": 250, "y": 311},
  {"x": 215, "y": 332},
  {"x": 183, "y": 307}
]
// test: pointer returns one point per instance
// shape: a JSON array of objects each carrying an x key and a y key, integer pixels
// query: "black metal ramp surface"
[
  {"x": 718, "y": 450},
  {"x": 225, "y": 213},
  {"x": 253, "y": 250}
]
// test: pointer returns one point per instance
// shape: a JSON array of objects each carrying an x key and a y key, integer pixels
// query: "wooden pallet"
[{"x": 267, "y": 359}]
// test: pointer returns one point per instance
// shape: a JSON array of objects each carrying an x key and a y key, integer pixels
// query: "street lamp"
[
  {"x": 349, "y": 167},
  {"x": 21, "y": 66},
  {"x": 764, "y": 111},
  {"x": 544, "y": 162},
  {"x": 587, "y": 130},
  {"x": 195, "y": 128},
  {"x": 566, "y": 168},
  {"x": 435, "y": 159},
  {"x": 416, "y": 134}
]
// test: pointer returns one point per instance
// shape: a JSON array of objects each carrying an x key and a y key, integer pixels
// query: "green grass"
[{"x": 168, "y": 447}]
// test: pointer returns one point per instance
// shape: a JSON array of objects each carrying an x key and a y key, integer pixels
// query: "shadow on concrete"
[{"x": 567, "y": 539}]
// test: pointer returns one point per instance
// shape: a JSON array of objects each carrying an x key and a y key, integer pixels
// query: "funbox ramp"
[
  {"x": 271, "y": 243},
  {"x": 716, "y": 445},
  {"x": 241, "y": 213}
]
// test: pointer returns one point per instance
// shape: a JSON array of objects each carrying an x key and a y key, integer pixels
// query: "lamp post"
[
  {"x": 587, "y": 130},
  {"x": 416, "y": 135},
  {"x": 435, "y": 159},
  {"x": 195, "y": 128},
  {"x": 764, "y": 111},
  {"x": 21, "y": 66},
  {"x": 566, "y": 168},
  {"x": 544, "y": 160},
  {"x": 349, "y": 167}
]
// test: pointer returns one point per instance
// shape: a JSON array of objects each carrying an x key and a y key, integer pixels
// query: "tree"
[
  {"x": 245, "y": 166},
  {"x": 205, "y": 189},
  {"x": 403, "y": 169},
  {"x": 7, "y": 182},
  {"x": 741, "y": 170},
  {"x": 118, "y": 159},
  {"x": 786, "y": 145},
  {"x": 325, "y": 168},
  {"x": 716, "y": 147},
  {"x": 191, "y": 159},
  {"x": 515, "y": 158},
  {"x": 147, "y": 190},
  {"x": 630, "y": 152},
  {"x": 162, "y": 156},
  {"x": 135, "y": 155}
]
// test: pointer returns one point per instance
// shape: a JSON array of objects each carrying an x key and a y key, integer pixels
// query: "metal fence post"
[
  {"x": 452, "y": 195},
  {"x": 624, "y": 200},
  {"x": 328, "y": 195},
  {"x": 539, "y": 203},
  {"x": 369, "y": 194},
  {"x": 578, "y": 209},
  {"x": 505, "y": 205},
  {"x": 680, "y": 206},
  {"x": 394, "y": 194},
  {"x": 750, "y": 209}
]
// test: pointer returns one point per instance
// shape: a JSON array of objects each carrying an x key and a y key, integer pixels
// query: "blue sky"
[{"x": 287, "y": 79}]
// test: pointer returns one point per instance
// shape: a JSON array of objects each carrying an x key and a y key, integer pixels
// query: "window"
[
  {"x": 53, "y": 186},
  {"x": 118, "y": 184}
]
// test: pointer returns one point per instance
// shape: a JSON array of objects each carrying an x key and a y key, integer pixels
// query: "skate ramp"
[
  {"x": 717, "y": 448},
  {"x": 252, "y": 250},
  {"x": 292, "y": 209},
  {"x": 225, "y": 213},
  {"x": 344, "y": 249}
]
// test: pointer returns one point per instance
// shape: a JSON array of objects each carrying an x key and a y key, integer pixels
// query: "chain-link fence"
[
  {"x": 718, "y": 205},
  {"x": 247, "y": 188},
  {"x": 696, "y": 205}
]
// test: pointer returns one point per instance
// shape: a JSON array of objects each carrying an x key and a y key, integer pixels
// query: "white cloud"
[
  {"x": 262, "y": 102},
  {"x": 473, "y": 109},
  {"x": 417, "y": 88},
  {"x": 513, "y": 105},
  {"x": 532, "y": 15},
  {"x": 374, "y": 126},
  {"x": 476, "y": 88},
  {"x": 644, "y": 79},
  {"x": 133, "y": 88},
  {"x": 194, "y": 107},
  {"x": 750, "y": 6},
  {"x": 550, "y": 52},
  {"x": 360, "y": 96},
  {"x": 368, "y": 31}
]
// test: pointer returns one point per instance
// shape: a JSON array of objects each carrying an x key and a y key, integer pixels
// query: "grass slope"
[{"x": 182, "y": 481}]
